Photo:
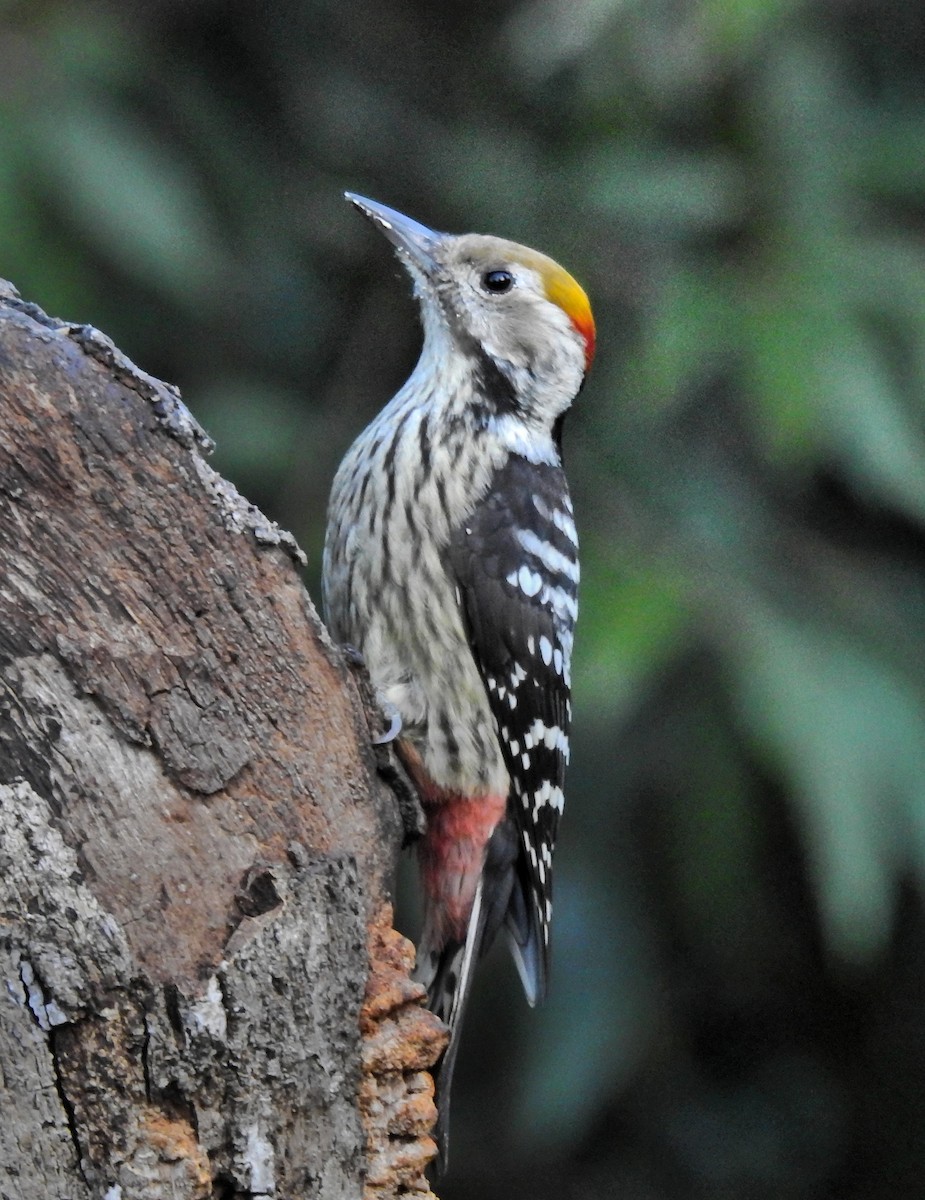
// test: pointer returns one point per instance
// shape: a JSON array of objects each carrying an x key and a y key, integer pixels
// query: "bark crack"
[
  {"x": 145, "y": 1059},
  {"x": 70, "y": 1113}
]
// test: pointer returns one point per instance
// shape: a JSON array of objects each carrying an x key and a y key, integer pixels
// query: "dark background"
[{"x": 737, "y": 1001}]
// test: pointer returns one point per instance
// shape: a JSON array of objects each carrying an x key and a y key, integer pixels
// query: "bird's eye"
[{"x": 497, "y": 282}]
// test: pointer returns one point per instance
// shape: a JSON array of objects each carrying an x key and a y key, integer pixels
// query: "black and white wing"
[{"x": 516, "y": 565}]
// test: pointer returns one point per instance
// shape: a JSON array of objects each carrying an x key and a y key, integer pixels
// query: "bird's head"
[{"x": 519, "y": 318}]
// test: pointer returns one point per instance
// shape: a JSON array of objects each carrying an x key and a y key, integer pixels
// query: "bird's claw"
[
  {"x": 352, "y": 655},
  {"x": 394, "y": 729},
  {"x": 356, "y": 660}
]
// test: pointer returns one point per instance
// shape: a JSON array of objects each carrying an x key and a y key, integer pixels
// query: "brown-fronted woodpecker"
[{"x": 451, "y": 565}]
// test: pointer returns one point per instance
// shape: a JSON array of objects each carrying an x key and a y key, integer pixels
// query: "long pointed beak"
[{"x": 410, "y": 237}]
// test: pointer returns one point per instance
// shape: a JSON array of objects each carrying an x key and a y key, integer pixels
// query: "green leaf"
[
  {"x": 880, "y": 444},
  {"x": 132, "y": 195},
  {"x": 848, "y": 735}
]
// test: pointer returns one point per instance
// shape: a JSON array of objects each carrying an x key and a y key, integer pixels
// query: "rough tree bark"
[{"x": 200, "y": 991}]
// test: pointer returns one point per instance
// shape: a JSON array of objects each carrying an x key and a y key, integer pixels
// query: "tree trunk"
[{"x": 202, "y": 993}]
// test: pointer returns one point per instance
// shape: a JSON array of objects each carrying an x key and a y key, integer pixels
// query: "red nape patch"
[
  {"x": 585, "y": 326},
  {"x": 452, "y": 852}
]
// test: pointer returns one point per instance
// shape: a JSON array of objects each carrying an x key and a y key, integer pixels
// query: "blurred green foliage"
[{"x": 736, "y": 1005}]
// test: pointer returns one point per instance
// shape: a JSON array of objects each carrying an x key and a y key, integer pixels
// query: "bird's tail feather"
[
  {"x": 525, "y": 938},
  {"x": 446, "y": 966},
  {"x": 447, "y": 972}
]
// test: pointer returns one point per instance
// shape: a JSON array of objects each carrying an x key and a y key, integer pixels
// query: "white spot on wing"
[
  {"x": 529, "y": 581},
  {"x": 562, "y": 520},
  {"x": 566, "y": 525},
  {"x": 564, "y": 605},
  {"x": 553, "y": 560}
]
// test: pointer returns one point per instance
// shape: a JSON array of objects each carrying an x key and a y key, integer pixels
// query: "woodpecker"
[{"x": 451, "y": 565}]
